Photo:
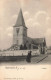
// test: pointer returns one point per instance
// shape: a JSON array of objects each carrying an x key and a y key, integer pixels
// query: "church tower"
[{"x": 19, "y": 31}]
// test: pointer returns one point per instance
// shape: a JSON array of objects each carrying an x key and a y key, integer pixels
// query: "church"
[{"x": 20, "y": 39}]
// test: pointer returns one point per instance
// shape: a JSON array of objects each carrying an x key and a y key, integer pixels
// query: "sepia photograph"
[{"x": 25, "y": 39}]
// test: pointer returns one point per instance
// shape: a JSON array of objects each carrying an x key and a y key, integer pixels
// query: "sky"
[{"x": 37, "y": 16}]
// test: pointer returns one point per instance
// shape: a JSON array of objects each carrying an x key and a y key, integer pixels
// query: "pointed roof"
[{"x": 20, "y": 20}]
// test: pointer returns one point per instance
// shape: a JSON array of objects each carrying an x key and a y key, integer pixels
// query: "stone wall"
[
  {"x": 48, "y": 51},
  {"x": 19, "y": 53}
]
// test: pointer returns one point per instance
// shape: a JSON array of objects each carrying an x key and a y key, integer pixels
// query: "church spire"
[{"x": 20, "y": 20}]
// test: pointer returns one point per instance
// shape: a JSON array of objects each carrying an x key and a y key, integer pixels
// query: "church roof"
[
  {"x": 20, "y": 20},
  {"x": 39, "y": 41}
]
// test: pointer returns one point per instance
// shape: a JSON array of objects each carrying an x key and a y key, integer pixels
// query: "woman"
[{"x": 28, "y": 59}]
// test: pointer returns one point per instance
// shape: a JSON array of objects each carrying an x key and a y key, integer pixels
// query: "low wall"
[
  {"x": 49, "y": 51},
  {"x": 19, "y": 52}
]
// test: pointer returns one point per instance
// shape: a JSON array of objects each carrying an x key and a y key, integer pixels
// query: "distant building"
[{"x": 22, "y": 41}]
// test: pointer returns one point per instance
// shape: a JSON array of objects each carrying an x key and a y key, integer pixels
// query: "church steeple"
[
  {"x": 19, "y": 30},
  {"x": 20, "y": 20}
]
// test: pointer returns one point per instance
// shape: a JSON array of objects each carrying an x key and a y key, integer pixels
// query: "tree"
[
  {"x": 21, "y": 47},
  {"x": 25, "y": 47}
]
